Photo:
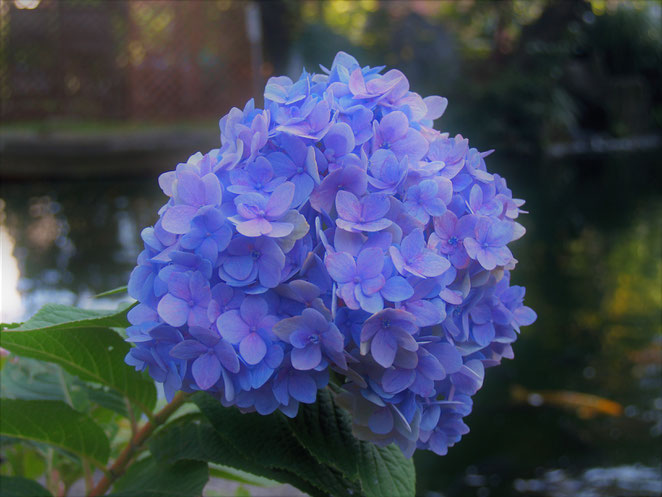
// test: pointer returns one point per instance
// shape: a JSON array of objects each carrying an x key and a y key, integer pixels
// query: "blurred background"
[{"x": 100, "y": 97}]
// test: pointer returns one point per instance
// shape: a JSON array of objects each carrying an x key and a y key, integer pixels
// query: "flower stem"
[{"x": 139, "y": 438}]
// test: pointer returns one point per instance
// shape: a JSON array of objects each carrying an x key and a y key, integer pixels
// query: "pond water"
[{"x": 578, "y": 412}]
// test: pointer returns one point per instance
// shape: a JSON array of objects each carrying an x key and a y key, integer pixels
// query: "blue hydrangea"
[{"x": 335, "y": 229}]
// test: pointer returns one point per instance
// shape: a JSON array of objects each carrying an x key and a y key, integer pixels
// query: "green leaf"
[
  {"x": 146, "y": 478},
  {"x": 30, "y": 379},
  {"x": 114, "y": 291},
  {"x": 92, "y": 354},
  {"x": 269, "y": 440},
  {"x": 200, "y": 441},
  {"x": 325, "y": 429},
  {"x": 56, "y": 316},
  {"x": 386, "y": 471},
  {"x": 54, "y": 423},
  {"x": 15, "y": 486}
]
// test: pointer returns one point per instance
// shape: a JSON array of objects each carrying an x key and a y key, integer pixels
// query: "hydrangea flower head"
[{"x": 335, "y": 229}]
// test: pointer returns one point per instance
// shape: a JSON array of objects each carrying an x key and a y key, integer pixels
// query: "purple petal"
[
  {"x": 280, "y": 200},
  {"x": 341, "y": 266},
  {"x": 188, "y": 349},
  {"x": 231, "y": 326},
  {"x": 381, "y": 422},
  {"x": 348, "y": 206},
  {"x": 393, "y": 127},
  {"x": 303, "y": 388},
  {"x": 383, "y": 349},
  {"x": 206, "y": 370},
  {"x": 177, "y": 218},
  {"x": 397, "y": 289},
  {"x": 396, "y": 380},
  {"x": 375, "y": 206},
  {"x": 252, "y": 348},
  {"x": 173, "y": 311},
  {"x": 189, "y": 188},
  {"x": 254, "y": 227},
  {"x": 306, "y": 358}
]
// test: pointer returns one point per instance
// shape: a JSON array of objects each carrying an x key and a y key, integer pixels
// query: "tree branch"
[{"x": 126, "y": 456}]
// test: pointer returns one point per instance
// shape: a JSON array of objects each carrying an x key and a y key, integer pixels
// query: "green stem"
[{"x": 141, "y": 436}]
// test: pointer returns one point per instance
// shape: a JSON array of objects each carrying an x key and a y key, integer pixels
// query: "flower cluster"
[{"x": 334, "y": 232}]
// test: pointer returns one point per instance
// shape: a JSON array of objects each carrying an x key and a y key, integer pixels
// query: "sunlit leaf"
[
  {"x": 56, "y": 316},
  {"x": 92, "y": 354}
]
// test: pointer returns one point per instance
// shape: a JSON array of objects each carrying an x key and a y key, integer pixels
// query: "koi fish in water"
[{"x": 586, "y": 406}]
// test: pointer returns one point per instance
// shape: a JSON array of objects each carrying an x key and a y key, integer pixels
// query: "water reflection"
[{"x": 11, "y": 304}]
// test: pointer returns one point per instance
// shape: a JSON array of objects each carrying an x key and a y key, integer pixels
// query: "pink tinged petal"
[
  {"x": 166, "y": 181},
  {"x": 340, "y": 138},
  {"x": 306, "y": 358},
  {"x": 199, "y": 287},
  {"x": 356, "y": 83},
  {"x": 341, "y": 266},
  {"x": 397, "y": 289},
  {"x": 255, "y": 227},
  {"x": 252, "y": 348},
  {"x": 472, "y": 247},
  {"x": 213, "y": 192},
  {"x": 198, "y": 316},
  {"x": 396, "y": 380},
  {"x": 393, "y": 127},
  {"x": 302, "y": 388},
  {"x": 398, "y": 260},
  {"x": 346, "y": 292},
  {"x": 412, "y": 244},
  {"x": 373, "y": 226},
  {"x": 179, "y": 285},
  {"x": 348, "y": 206},
  {"x": 451, "y": 296},
  {"x": 436, "y": 106},
  {"x": 177, "y": 219},
  {"x": 231, "y": 326},
  {"x": 414, "y": 146},
  {"x": 375, "y": 206},
  {"x": 189, "y": 188},
  {"x": 280, "y": 200},
  {"x": 427, "y": 313},
  {"x": 381, "y": 421},
  {"x": 444, "y": 225},
  {"x": 430, "y": 264},
  {"x": 486, "y": 259},
  {"x": 370, "y": 262},
  {"x": 173, "y": 311},
  {"x": 206, "y": 370},
  {"x": 383, "y": 349},
  {"x": 279, "y": 230},
  {"x": 525, "y": 316},
  {"x": 370, "y": 286}
]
